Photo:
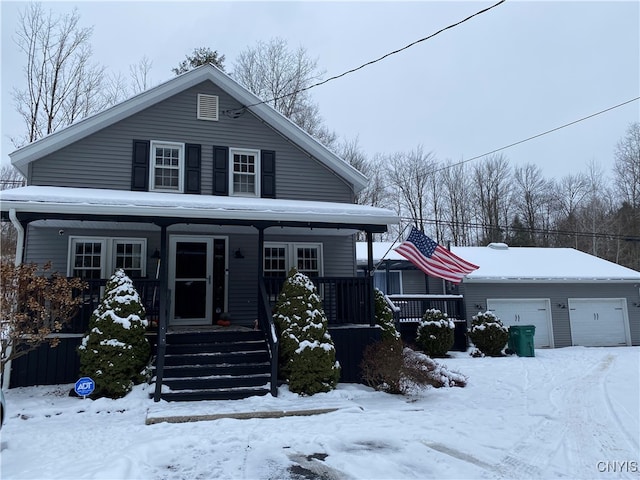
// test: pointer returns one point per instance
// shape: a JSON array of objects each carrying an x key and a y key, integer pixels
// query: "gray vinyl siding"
[
  {"x": 103, "y": 159},
  {"x": 476, "y": 295},
  {"x": 413, "y": 282}
]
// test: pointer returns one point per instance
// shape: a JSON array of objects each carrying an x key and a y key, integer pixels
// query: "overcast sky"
[{"x": 513, "y": 72}]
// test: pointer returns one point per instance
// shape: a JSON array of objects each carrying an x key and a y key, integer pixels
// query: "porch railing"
[
  {"x": 411, "y": 308},
  {"x": 345, "y": 300},
  {"x": 148, "y": 289},
  {"x": 265, "y": 317}
]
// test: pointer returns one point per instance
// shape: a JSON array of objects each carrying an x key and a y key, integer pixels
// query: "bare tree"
[
  {"x": 627, "y": 166},
  {"x": 571, "y": 192},
  {"x": 456, "y": 193},
  {"x": 61, "y": 84},
  {"x": 281, "y": 76},
  {"x": 492, "y": 192},
  {"x": 139, "y": 74},
  {"x": 9, "y": 178},
  {"x": 532, "y": 195},
  {"x": 410, "y": 179}
]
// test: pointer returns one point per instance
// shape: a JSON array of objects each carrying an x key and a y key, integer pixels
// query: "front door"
[{"x": 197, "y": 279}]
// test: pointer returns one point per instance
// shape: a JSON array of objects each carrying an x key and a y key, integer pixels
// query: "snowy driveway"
[{"x": 567, "y": 413}]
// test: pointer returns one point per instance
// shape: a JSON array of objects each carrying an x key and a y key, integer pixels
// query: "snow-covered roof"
[
  {"x": 25, "y": 155},
  {"x": 499, "y": 263},
  {"x": 65, "y": 200}
]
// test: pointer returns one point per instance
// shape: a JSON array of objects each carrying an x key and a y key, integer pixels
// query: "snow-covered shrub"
[
  {"x": 384, "y": 317},
  {"x": 307, "y": 354},
  {"x": 389, "y": 367},
  {"x": 435, "y": 333},
  {"x": 115, "y": 351},
  {"x": 488, "y": 334}
]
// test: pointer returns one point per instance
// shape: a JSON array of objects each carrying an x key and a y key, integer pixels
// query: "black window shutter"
[
  {"x": 220, "y": 170},
  {"x": 192, "y": 168},
  {"x": 268, "y": 174},
  {"x": 140, "y": 166}
]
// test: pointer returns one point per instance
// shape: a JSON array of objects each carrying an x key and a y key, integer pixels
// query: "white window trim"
[
  {"x": 152, "y": 157},
  {"x": 399, "y": 272},
  {"x": 291, "y": 258},
  {"x": 108, "y": 256},
  {"x": 246, "y": 151}
]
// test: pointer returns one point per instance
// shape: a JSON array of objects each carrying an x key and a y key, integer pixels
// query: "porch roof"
[{"x": 40, "y": 202}]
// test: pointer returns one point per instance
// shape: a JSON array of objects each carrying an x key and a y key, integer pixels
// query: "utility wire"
[
  {"x": 371, "y": 62},
  {"x": 537, "y": 135}
]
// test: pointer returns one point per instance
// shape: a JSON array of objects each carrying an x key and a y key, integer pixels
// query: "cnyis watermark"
[{"x": 618, "y": 467}]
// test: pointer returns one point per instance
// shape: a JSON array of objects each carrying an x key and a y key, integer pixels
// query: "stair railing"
[
  {"x": 265, "y": 319},
  {"x": 160, "y": 352}
]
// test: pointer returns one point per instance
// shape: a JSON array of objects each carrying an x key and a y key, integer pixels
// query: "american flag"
[{"x": 434, "y": 259}]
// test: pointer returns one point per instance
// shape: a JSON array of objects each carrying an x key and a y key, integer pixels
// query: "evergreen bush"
[
  {"x": 307, "y": 353},
  {"x": 488, "y": 334},
  {"x": 115, "y": 351},
  {"x": 435, "y": 334},
  {"x": 384, "y": 317}
]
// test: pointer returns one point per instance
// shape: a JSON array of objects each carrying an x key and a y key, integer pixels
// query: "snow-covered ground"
[{"x": 567, "y": 413}]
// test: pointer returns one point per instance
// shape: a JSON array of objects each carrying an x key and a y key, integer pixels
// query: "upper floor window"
[
  {"x": 244, "y": 171},
  {"x": 167, "y": 166}
]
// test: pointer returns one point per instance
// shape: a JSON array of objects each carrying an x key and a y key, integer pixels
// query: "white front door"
[
  {"x": 526, "y": 312},
  {"x": 190, "y": 277},
  {"x": 599, "y": 322}
]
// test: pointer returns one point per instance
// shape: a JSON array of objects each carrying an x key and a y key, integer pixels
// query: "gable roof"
[
  {"x": 499, "y": 263},
  {"x": 89, "y": 125}
]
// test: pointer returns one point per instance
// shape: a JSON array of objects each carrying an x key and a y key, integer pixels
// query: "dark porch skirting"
[
  {"x": 46, "y": 365},
  {"x": 350, "y": 342}
]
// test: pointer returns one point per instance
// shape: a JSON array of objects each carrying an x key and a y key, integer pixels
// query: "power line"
[
  {"x": 371, "y": 62},
  {"x": 537, "y": 135}
]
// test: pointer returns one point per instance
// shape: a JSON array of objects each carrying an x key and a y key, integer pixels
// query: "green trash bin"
[{"x": 521, "y": 340}]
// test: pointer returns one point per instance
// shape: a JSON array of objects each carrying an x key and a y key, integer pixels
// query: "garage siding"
[{"x": 476, "y": 295}]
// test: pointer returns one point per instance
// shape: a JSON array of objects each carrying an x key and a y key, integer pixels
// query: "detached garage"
[{"x": 572, "y": 298}]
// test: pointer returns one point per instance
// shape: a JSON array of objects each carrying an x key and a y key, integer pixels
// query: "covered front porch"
[{"x": 208, "y": 257}]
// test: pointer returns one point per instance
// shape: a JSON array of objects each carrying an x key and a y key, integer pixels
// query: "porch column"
[
  {"x": 372, "y": 303},
  {"x": 162, "y": 313},
  {"x": 260, "y": 269}
]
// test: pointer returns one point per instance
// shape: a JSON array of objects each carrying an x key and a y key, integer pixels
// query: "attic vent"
[
  {"x": 207, "y": 107},
  {"x": 498, "y": 246}
]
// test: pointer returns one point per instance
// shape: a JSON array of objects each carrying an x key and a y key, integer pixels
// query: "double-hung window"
[
  {"x": 98, "y": 257},
  {"x": 389, "y": 283},
  {"x": 167, "y": 167},
  {"x": 244, "y": 172},
  {"x": 280, "y": 257}
]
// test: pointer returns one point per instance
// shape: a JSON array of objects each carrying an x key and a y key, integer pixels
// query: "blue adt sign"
[{"x": 85, "y": 386}]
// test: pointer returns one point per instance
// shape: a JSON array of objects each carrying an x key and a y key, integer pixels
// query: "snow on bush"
[
  {"x": 389, "y": 367},
  {"x": 435, "y": 333},
  {"x": 115, "y": 351},
  {"x": 488, "y": 334},
  {"x": 307, "y": 354},
  {"x": 384, "y": 317}
]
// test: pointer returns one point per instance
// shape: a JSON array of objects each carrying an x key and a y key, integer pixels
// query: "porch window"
[
  {"x": 245, "y": 165},
  {"x": 98, "y": 257},
  {"x": 87, "y": 258},
  {"x": 128, "y": 255},
  {"x": 394, "y": 280},
  {"x": 280, "y": 257},
  {"x": 167, "y": 165}
]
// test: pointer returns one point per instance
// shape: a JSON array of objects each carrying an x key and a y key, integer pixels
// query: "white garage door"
[
  {"x": 536, "y": 311},
  {"x": 599, "y": 322}
]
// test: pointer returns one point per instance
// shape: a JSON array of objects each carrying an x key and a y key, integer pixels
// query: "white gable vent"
[
  {"x": 498, "y": 246},
  {"x": 207, "y": 107}
]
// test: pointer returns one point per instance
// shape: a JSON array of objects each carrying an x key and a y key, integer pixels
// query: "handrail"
[
  {"x": 412, "y": 307},
  {"x": 160, "y": 352},
  {"x": 265, "y": 318}
]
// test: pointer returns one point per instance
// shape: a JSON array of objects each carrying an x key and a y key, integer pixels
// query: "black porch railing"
[
  {"x": 411, "y": 308},
  {"x": 345, "y": 300},
  {"x": 265, "y": 317},
  {"x": 147, "y": 289}
]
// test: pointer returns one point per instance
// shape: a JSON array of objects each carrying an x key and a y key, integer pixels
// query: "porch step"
[{"x": 216, "y": 365}]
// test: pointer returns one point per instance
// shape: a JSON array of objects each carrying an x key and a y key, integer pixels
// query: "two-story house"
[{"x": 206, "y": 196}]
